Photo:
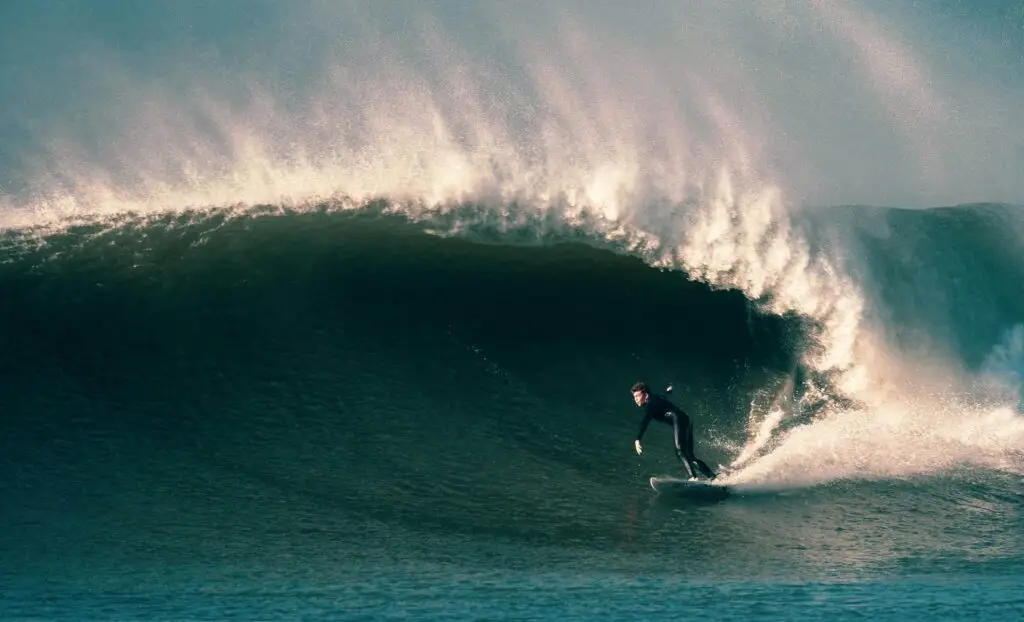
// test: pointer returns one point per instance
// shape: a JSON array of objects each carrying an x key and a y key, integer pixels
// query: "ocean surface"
[
  {"x": 331, "y": 310},
  {"x": 341, "y": 413}
]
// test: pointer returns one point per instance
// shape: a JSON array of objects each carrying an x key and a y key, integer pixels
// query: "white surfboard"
[{"x": 702, "y": 489}]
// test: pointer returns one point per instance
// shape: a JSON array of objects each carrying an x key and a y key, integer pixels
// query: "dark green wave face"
[
  {"x": 429, "y": 383},
  {"x": 351, "y": 392}
]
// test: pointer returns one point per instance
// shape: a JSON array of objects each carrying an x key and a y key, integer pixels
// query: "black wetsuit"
[{"x": 660, "y": 409}]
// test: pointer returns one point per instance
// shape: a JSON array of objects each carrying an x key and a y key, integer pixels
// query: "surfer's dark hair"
[{"x": 640, "y": 386}]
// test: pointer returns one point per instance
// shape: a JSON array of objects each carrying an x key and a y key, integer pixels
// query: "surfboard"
[{"x": 698, "y": 489}]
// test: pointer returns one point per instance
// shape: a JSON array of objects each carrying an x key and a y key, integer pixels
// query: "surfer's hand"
[{"x": 639, "y": 450}]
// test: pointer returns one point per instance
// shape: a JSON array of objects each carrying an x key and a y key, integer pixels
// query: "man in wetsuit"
[{"x": 660, "y": 409}]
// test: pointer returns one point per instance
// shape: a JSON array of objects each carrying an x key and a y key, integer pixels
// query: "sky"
[{"x": 906, "y": 103}]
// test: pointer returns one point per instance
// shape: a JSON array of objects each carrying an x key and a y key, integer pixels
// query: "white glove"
[{"x": 639, "y": 450}]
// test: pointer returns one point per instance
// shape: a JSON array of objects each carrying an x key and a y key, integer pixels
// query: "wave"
[
  {"x": 416, "y": 168},
  {"x": 776, "y": 331}
]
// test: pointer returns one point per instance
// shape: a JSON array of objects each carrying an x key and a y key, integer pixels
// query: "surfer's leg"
[
  {"x": 704, "y": 468},
  {"x": 684, "y": 446},
  {"x": 679, "y": 435}
]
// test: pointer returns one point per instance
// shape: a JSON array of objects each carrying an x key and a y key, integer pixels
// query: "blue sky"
[{"x": 908, "y": 103}]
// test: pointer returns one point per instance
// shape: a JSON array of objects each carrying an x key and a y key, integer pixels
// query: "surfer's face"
[{"x": 640, "y": 398}]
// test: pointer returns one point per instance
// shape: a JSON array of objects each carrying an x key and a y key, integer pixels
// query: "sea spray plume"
[
  {"x": 894, "y": 439},
  {"x": 413, "y": 115},
  {"x": 550, "y": 102},
  {"x": 1002, "y": 372},
  {"x": 424, "y": 136}
]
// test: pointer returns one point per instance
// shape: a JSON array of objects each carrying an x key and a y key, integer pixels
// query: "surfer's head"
[{"x": 641, "y": 392}]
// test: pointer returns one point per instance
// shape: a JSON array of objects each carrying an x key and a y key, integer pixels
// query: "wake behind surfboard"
[{"x": 696, "y": 489}]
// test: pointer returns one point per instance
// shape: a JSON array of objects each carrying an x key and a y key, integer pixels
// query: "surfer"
[{"x": 660, "y": 409}]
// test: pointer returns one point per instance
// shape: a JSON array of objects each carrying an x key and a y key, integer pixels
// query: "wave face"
[
  {"x": 406, "y": 359},
  {"x": 357, "y": 363}
]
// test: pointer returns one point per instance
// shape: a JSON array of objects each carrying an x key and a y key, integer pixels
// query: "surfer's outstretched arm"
[{"x": 640, "y": 435}]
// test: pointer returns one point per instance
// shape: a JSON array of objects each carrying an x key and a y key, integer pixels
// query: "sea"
[{"x": 393, "y": 381}]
